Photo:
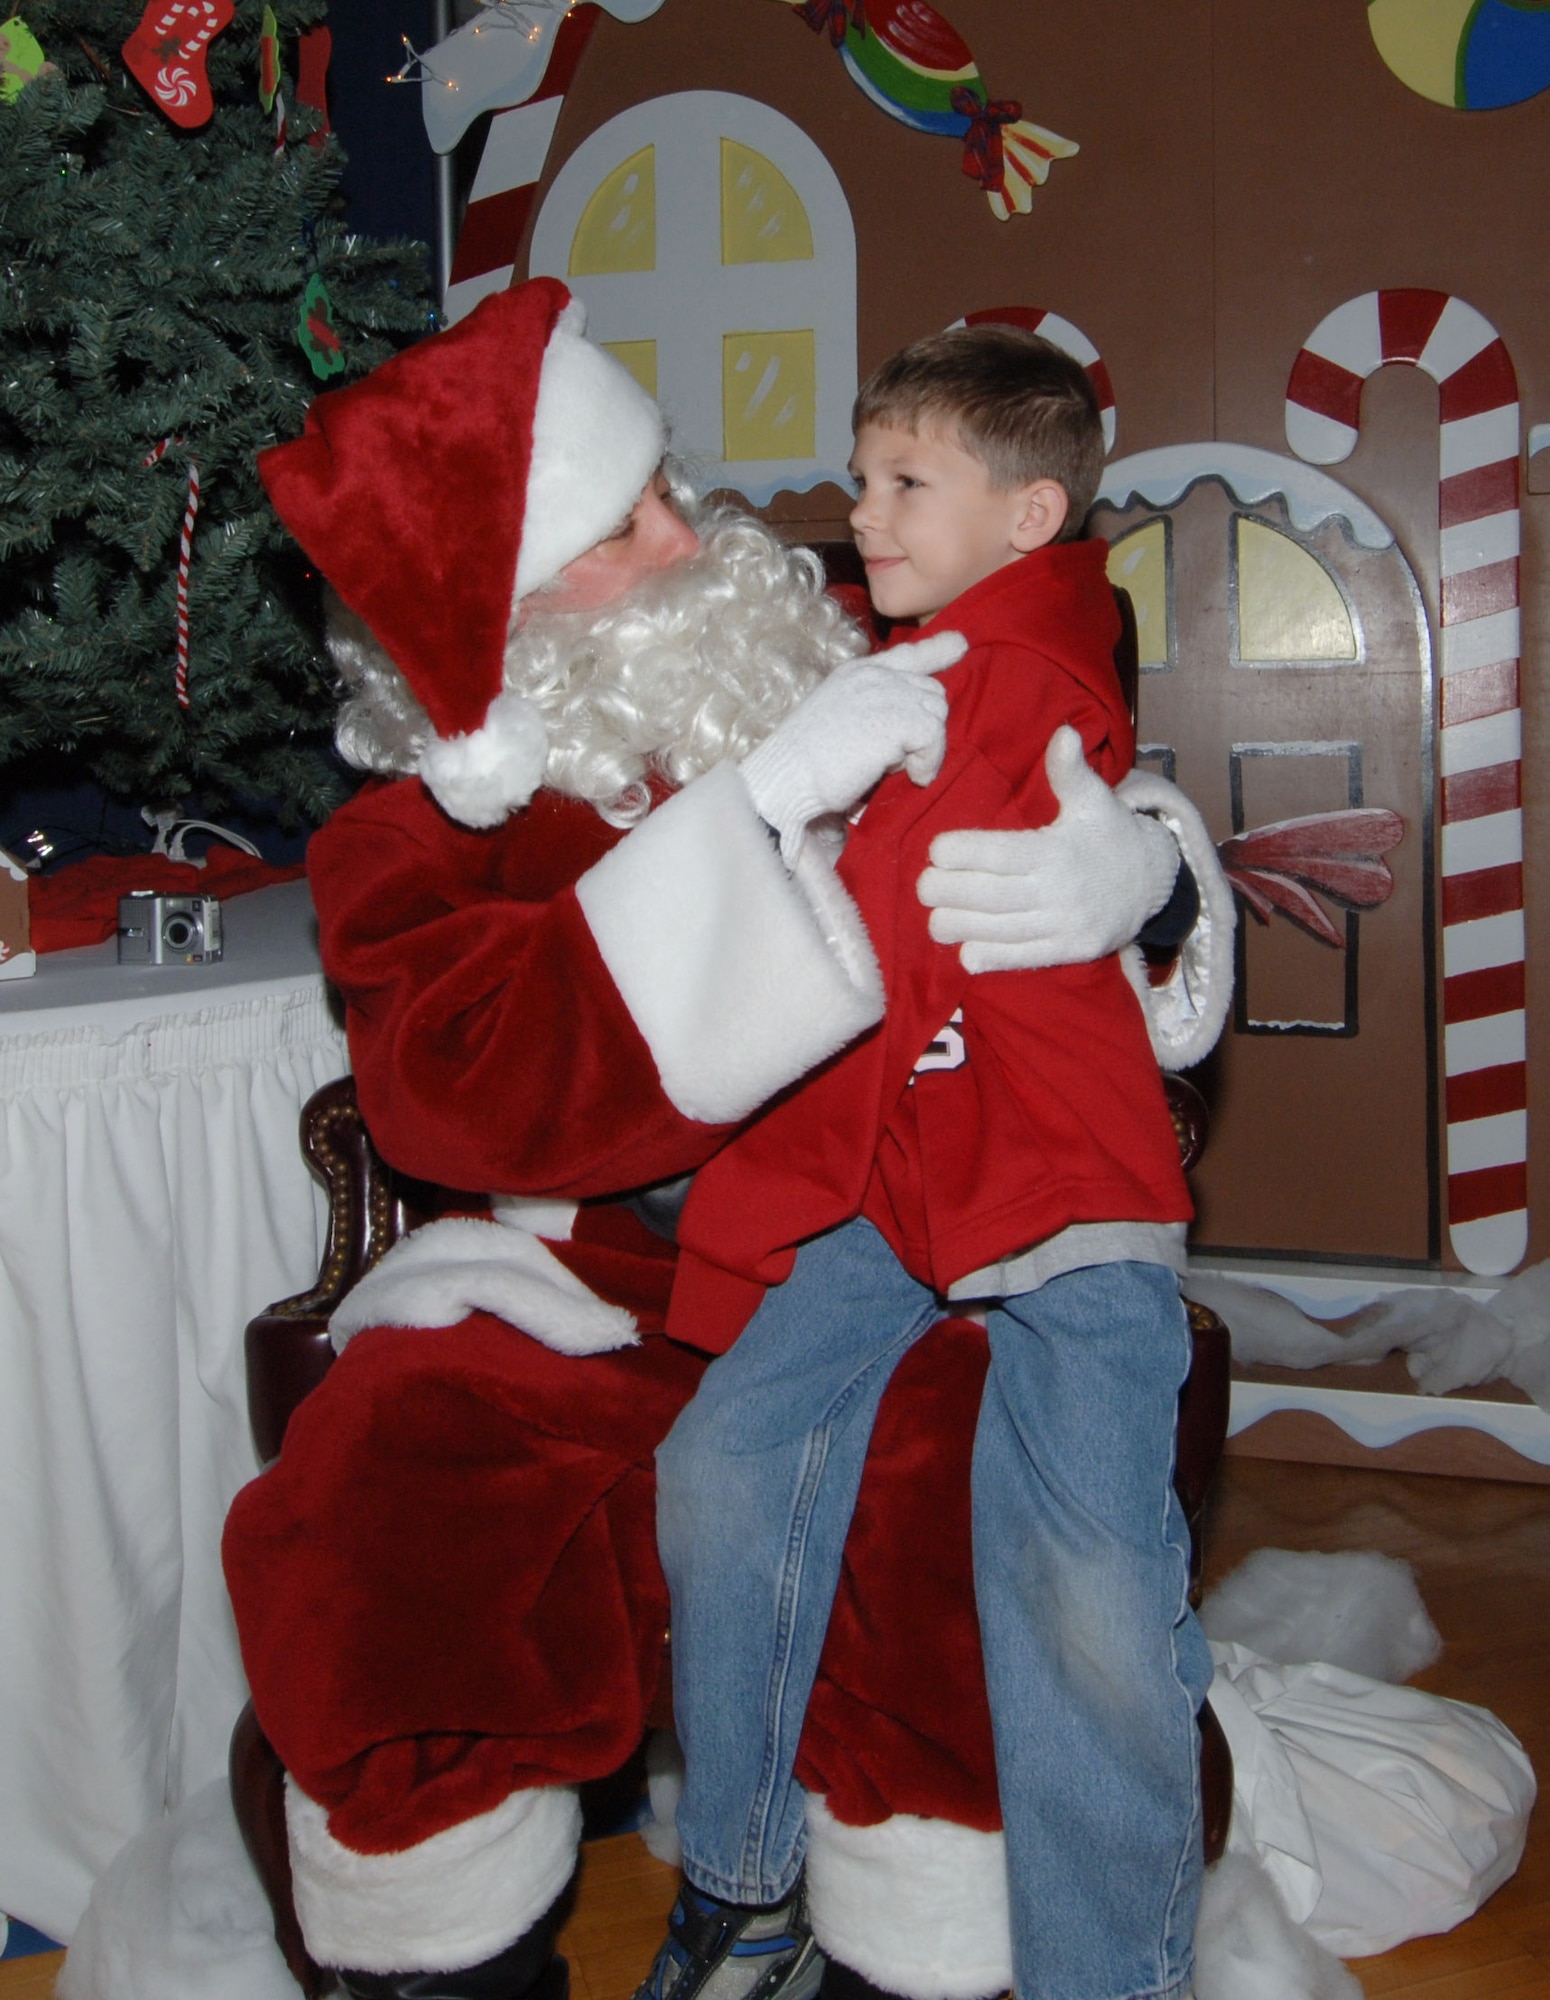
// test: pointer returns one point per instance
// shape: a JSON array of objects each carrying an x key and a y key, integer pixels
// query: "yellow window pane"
[
  {"x": 1138, "y": 563},
  {"x": 1289, "y": 606},
  {"x": 762, "y": 217},
  {"x": 640, "y": 357},
  {"x": 769, "y": 395},
  {"x": 618, "y": 226}
]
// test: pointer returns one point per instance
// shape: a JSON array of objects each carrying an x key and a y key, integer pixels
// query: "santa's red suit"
[{"x": 447, "y": 1587}]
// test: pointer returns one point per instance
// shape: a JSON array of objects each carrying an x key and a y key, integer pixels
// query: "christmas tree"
[{"x": 175, "y": 285}]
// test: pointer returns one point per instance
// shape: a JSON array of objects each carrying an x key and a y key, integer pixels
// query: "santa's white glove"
[
  {"x": 1065, "y": 893},
  {"x": 869, "y": 717}
]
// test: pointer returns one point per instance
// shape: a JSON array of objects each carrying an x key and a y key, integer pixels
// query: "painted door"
[{"x": 1286, "y": 685}]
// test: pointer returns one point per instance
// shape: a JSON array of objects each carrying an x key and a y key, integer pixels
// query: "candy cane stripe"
[
  {"x": 1490, "y": 742},
  {"x": 1478, "y": 946},
  {"x": 1473, "y": 794},
  {"x": 1487, "y": 489},
  {"x": 1475, "y": 1047},
  {"x": 1478, "y": 593},
  {"x": 1477, "y": 996},
  {"x": 1488, "y": 842},
  {"x": 1407, "y": 322},
  {"x": 1484, "y": 892},
  {"x": 1487, "y": 439},
  {"x": 1484, "y": 642},
  {"x": 1478, "y": 691},
  {"x": 1480, "y": 725},
  {"x": 185, "y": 548},
  {"x": 1351, "y": 335},
  {"x": 1487, "y": 1093},
  {"x": 1486, "y": 382},
  {"x": 506, "y": 179},
  {"x": 1478, "y": 1203}
]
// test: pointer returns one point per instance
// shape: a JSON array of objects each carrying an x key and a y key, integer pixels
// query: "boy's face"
[{"x": 929, "y": 524}]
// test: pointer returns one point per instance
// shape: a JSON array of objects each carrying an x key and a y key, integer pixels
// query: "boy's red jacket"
[{"x": 1055, "y": 1113}]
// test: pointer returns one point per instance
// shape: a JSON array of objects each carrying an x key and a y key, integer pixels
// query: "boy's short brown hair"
[{"x": 1022, "y": 406}]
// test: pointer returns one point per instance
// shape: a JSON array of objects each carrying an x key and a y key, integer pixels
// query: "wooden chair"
[{"x": 288, "y": 1353}]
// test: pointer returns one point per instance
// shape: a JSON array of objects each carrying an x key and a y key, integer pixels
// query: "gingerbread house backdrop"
[{"x": 1300, "y": 249}]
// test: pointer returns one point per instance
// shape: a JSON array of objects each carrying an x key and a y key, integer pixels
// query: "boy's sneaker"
[{"x": 723, "y": 1951}]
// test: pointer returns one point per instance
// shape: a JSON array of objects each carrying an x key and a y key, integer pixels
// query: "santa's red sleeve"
[{"x": 556, "y": 1007}]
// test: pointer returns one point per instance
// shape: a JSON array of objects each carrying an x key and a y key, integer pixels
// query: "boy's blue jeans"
[{"x": 1094, "y": 1663}]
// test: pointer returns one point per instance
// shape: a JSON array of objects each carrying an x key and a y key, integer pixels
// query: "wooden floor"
[{"x": 1482, "y": 1553}]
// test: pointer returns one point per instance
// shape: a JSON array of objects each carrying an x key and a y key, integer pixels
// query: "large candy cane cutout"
[
  {"x": 1480, "y": 733},
  {"x": 1069, "y": 339}
]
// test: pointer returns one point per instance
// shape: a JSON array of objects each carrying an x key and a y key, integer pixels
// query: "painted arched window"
[
  {"x": 1289, "y": 609},
  {"x": 714, "y": 249}
]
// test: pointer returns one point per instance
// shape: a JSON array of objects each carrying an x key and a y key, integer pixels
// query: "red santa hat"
[{"x": 443, "y": 487}]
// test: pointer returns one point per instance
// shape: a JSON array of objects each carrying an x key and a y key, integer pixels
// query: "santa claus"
[{"x": 584, "y": 924}]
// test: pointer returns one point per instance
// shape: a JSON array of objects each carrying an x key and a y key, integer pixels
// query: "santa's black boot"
[
  {"x": 526, "y": 1970},
  {"x": 840, "y": 1982}
]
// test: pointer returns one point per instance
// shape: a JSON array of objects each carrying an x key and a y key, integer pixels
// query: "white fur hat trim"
[{"x": 597, "y": 439}]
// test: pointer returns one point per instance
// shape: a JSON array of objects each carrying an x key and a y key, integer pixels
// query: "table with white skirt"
[{"x": 153, "y": 1197}]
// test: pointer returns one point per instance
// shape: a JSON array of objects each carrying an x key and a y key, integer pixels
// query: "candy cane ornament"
[
  {"x": 185, "y": 545},
  {"x": 1480, "y": 724}
]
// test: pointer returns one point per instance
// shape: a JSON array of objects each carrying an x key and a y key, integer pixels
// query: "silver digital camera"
[{"x": 168, "y": 930}]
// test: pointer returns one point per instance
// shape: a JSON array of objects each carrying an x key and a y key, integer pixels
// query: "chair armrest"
[{"x": 286, "y": 1346}]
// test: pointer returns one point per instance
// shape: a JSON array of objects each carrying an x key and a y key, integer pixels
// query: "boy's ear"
[{"x": 1041, "y": 514}]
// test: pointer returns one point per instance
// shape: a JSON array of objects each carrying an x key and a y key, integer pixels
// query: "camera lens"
[{"x": 179, "y": 932}]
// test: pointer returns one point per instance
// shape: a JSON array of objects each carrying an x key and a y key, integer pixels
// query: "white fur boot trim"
[
  {"x": 917, "y": 1906},
  {"x": 1187, "y": 1013},
  {"x": 740, "y": 977},
  {"x": 451, "y": 1901},
  {"x": 444, "y": 1271}
]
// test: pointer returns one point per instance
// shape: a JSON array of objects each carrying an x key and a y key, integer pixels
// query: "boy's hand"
[
  {"x": 1063, "y": 894},
  {"x": 867, "y": 718}
]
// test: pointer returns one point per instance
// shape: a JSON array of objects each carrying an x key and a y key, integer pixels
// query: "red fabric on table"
[{"x": 79, "y": 905}]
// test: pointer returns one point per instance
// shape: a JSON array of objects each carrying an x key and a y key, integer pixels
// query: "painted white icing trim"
[
  {"x": 444, "y": 1271},
  {"x": 1161, "y": 478},
  {"x": 740, "y": 977},
  {"x": 449, "y": 1902},
  {"x": 1376, "y": 1419},
  {"x": 918, "y": 1906}
]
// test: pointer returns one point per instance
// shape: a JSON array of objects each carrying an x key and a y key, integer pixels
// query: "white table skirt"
[{"x": 152, "y": 1198}]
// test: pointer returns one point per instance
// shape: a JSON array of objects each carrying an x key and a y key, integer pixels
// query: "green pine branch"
[{"x": 150, "y": 286}]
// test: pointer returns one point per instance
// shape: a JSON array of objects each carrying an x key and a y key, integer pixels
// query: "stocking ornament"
[{"x": 166, "y": 54}]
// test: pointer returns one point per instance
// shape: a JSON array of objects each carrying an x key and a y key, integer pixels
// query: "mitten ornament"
[{"x": 166, "y": 54}]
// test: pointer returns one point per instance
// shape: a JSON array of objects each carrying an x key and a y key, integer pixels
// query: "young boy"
[{"x": 1001, "y": 1139}]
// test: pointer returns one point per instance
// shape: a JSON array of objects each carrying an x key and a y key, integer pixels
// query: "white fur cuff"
[
  {"x": 917, "y": 1906},
  {"x": 740, "y": 977},
  {"x": 1187, "y": 1013},
  {"x": 446, "y": 1270},
  {"x": 451, "y": 1901}
]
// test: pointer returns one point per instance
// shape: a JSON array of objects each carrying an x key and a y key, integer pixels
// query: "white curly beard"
[{"x": 695, "y": 667}]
